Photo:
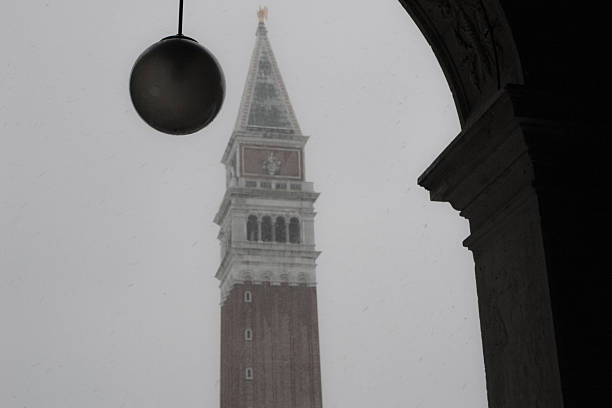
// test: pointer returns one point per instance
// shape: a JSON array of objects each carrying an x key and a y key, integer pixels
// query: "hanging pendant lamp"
[{"x": 177, "y": 85}]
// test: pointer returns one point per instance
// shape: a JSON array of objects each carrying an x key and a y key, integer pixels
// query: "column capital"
[{"x": 494, "y": 162}]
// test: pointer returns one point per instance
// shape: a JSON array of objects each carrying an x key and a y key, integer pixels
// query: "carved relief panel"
[
  {"x": 271, "y": 162},
  {"x": 474, "y": 45}
]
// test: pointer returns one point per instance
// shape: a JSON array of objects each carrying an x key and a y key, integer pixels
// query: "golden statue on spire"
[{"x": 262, "y": 14}]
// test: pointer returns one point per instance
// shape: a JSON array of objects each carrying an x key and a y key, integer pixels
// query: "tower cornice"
[
  {"x": 268, "y": 255},
  {"x": 273, "y": 266},
  {"x": 233, "y": 193}
]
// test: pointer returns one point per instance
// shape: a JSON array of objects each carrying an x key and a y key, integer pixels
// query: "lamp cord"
[{"x": 180, "y": 22}]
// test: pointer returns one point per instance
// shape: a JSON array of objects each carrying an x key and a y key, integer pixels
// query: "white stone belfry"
[{"x": 266, "y": 217}]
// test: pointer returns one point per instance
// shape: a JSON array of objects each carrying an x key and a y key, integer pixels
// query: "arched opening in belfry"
[{"x": 252, "y": 228}]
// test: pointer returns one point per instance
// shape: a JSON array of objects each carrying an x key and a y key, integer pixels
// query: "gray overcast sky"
[{"x": 107, "y": 245}]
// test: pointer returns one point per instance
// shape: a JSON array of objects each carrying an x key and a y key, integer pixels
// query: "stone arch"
[
  {"x": 246, "y": 276},
  {"x": 267, "y": 276},
  {"x": 527, "y": 101},
  {"x": 474, "y": 45}
]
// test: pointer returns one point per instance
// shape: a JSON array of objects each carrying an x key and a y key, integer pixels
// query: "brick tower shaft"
[{"x": 283, "y": 352}]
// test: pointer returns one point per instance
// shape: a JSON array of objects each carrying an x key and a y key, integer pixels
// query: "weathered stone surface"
[
  {"x": 540, "y": 290},
  {"x": 529, "y": 171},
  {"x": 474, "y": 45}
]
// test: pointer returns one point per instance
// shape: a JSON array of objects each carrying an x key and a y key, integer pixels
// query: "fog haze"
[{"x": 107, "y": 246}]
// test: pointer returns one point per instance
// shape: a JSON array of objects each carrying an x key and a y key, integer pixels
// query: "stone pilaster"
[{"x": 512, "y": 174}]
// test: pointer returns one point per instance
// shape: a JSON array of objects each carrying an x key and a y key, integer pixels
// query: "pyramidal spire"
[{"x": 265, "y": 105}]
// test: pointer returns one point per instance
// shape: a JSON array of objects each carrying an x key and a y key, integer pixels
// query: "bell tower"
[{"x": 269, "y": 326}]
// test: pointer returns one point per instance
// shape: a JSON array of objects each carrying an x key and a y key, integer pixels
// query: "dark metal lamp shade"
[{"x": 177, "y": 86}]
